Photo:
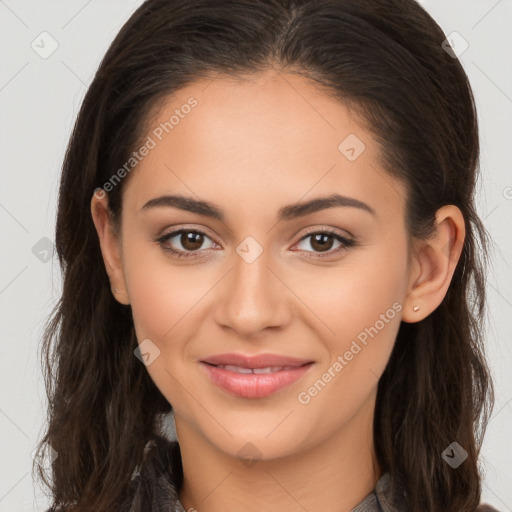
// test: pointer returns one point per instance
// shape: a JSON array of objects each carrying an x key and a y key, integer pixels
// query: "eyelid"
[
  {"x": 205, "y": 231},
  {"x": 185, "y": 227},
  {"x": 330, "y": 230},
  {"x": 347, "y": 242}
]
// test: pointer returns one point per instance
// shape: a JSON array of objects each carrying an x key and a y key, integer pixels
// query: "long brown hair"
[{"x": 385, "y": 60}]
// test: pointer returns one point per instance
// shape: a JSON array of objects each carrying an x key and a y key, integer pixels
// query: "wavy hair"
[{"x": 382, "y": 58}]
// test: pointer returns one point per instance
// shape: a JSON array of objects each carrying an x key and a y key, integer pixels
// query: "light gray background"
[{"x": 39, "y": 101}]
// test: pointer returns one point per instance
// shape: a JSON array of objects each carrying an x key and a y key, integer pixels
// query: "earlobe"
[
  {"x": 435, "y": 261},
  {"x": 110, "y": 247}
]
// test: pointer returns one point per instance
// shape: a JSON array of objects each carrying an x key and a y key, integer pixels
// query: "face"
[{"x": 319, "y": 288}]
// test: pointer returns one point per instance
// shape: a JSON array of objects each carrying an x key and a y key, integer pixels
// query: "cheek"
[
  {"x": 162, "y": 294},
  {"x": 365, "y": 292},
  {"x": 358, "y": 354},
  {"x": 361, "y": 308},
  {"x": 162, "y": 302},
  {"x": 167, "y": 308}
]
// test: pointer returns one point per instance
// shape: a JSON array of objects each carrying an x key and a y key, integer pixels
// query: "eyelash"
[{"x": 346, "y": 243}]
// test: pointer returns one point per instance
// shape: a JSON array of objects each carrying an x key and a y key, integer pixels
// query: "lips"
[
  {"x": 254, "y": 376},
  {"x": 267, "y": 369}
]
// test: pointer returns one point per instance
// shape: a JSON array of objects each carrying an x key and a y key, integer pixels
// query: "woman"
[{"x": 266, "y": 226}]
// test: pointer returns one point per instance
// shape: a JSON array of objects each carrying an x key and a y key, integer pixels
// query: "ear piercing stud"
[
  {"x": 116, "y": 290},
  {"x": 416, "y": 308}
]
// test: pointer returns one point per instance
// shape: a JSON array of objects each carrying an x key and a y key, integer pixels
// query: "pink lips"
[{"x": 254, "y": 376}]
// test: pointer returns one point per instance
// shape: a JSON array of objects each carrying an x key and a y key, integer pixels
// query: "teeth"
[
  {"x": 269, "y": 369},
  {"x": 235, "y": 368}
]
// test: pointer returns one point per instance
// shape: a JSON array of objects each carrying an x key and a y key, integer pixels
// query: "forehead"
[{"x": 272, "y": 138}]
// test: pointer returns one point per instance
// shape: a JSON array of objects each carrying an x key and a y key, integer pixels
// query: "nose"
[{"x": 253, "y": 298}]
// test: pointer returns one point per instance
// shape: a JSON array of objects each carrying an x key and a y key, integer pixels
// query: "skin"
[{"x": 252, "y": 147}]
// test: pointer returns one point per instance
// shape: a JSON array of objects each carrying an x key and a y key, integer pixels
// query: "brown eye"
[
  {"x": 191, "y": 240},
  {"x": 183, "y": 243},
  {"x": 323, "y": 241}
]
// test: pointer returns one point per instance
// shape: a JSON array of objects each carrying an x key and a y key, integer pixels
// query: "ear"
[
  {"x": 110, "y": 244},
  {"x": 433, "y": 264}
]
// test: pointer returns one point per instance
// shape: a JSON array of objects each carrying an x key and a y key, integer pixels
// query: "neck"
[{"x": 333, "y": 476}]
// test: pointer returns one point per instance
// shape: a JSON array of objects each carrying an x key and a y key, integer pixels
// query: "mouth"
[
  {"x": 241, "y": 369},
  {"x": 254, "y": 376}
]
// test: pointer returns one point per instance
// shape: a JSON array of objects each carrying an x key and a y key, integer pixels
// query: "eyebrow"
[{"x": 289, "y": 212}]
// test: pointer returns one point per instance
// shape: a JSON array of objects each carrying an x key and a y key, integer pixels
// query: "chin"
[{"x": 251, "y": 442}]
